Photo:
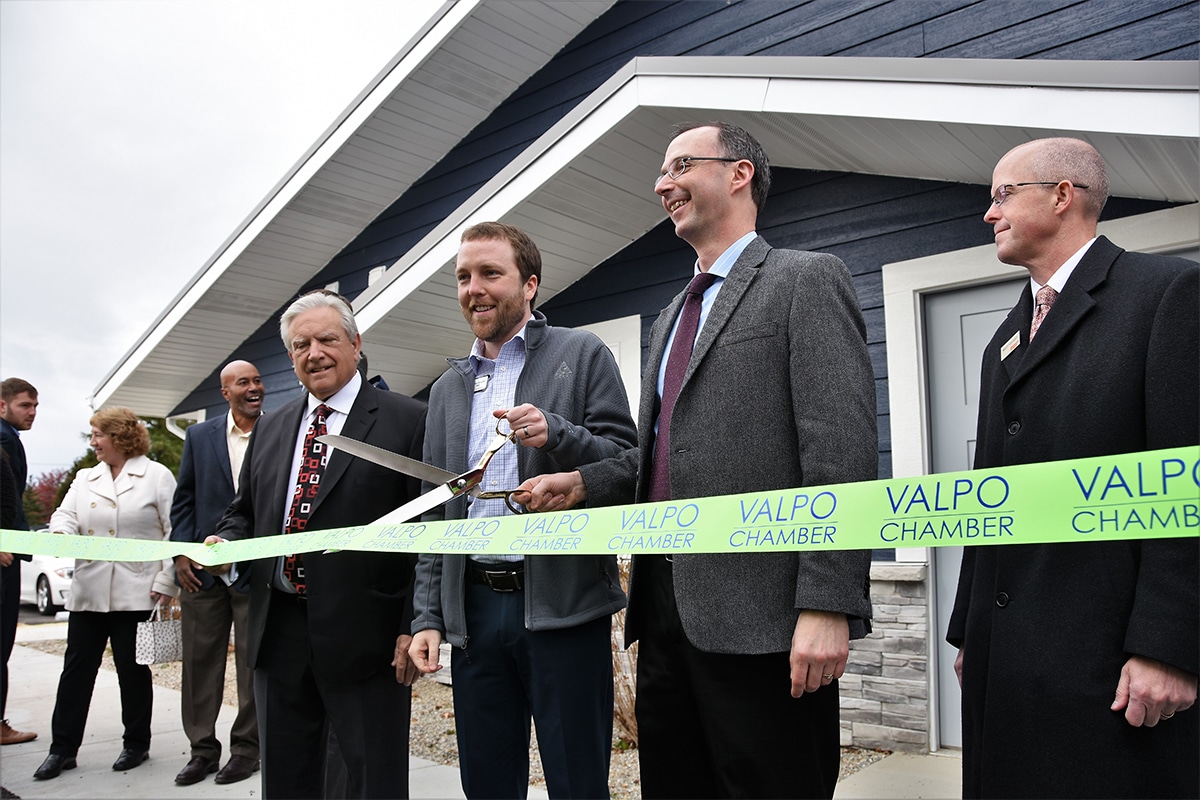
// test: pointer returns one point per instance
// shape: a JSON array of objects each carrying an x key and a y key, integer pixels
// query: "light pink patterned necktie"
[{"x": 1045, "y": 300}]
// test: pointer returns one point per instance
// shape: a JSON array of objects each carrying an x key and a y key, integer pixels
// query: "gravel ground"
[{"x": 431, "y": 735}]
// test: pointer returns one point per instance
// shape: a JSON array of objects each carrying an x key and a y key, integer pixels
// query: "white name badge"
[{"x": 1009, "y": 346}]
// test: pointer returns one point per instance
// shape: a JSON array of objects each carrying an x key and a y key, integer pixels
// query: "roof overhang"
[
  {"x": 466, "y": 59},
  {"x": 584, "y": 189}
]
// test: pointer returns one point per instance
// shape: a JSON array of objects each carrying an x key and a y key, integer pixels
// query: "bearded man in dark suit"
[
  {"x": 1078, "y": 661},
  {"x": 329, "y": 632}
]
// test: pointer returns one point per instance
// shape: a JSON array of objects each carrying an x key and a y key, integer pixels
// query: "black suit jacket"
[
  {"x": 1114, "y": 368},
  {"x": 204, "y": 490},
  {"x": 358, "y": 603},
  {"x": 11, "y": 442}
]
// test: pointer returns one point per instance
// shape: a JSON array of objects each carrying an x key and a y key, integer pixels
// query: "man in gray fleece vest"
[{"x": 531, "y": 633}]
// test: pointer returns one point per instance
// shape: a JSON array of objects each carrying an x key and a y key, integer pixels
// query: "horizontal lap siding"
[{"x": 860, "y": 218}]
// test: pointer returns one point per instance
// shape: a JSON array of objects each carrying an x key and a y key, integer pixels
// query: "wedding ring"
[
  {"x": 827, "y": 677},
  {"x": 526, "y": 429},
  {"x": 1166, "y": 716}
]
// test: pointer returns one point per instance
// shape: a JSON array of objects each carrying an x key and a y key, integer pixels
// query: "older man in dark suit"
[
  {"x": 208, "y": 472},
  {"x": 329, "y": 632},
  {"x": 777, "y": 392},
  {"x": 1080, "y": 682}
]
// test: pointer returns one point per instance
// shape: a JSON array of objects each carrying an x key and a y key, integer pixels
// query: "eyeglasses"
[
  {"x": 1004, "y": 190},
  {"x": 684, "y": 163}
]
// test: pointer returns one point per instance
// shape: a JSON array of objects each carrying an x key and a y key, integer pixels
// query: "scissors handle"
[
  {"x": 506, "y": 496},
  {"x": 498, "y": 441}
]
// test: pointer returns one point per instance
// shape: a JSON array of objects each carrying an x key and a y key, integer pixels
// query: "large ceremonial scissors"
[{"x": 449, "y": 485}]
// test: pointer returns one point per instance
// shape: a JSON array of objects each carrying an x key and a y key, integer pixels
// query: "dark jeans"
[{"x": 562, "y": 678}]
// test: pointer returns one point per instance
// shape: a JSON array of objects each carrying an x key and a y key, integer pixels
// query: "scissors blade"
[
  {"x": 416, "y": 507},
  {"x": 386, "y": 458}
]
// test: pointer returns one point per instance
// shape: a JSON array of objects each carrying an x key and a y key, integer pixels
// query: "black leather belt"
[{"x": 500, "y": 579}]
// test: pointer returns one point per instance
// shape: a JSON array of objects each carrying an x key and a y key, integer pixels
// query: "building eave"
[
  {"x": 468, "y": 58},
  {"x": 583, "y": 189}
]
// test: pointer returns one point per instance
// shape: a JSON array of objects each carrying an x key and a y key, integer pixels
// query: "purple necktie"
[
  {"x": 677, "y": 364},
  {"x": 308, "y": 483}
]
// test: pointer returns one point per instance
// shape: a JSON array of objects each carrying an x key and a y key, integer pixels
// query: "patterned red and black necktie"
[{"x": 308, "y": 483}]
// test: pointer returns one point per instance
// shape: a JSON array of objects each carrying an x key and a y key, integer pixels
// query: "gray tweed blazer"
[{"x": 779, "y": 393}]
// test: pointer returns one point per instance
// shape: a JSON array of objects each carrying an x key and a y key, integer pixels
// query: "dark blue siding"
[{"x": 859, "y": 219}]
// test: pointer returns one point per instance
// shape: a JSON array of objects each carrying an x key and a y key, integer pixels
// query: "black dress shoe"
[
  {"x": 196, "y": 770},
  {"x": 238, "y": 768},
  {"x": 129, "y": 759},
  {"x": 53, "y": 766}
]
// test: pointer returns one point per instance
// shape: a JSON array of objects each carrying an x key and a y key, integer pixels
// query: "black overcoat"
[{"x": 1046, "y": 628}]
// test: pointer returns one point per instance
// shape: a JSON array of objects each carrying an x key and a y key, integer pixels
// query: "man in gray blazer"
[{"x": 739, "y": 655}]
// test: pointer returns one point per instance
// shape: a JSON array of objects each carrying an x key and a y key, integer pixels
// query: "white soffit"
[
  {"x": 584, "y": 189},
  {"x": 466, "y": 59}
]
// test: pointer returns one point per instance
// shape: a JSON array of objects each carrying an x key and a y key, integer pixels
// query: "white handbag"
[{"x": 159, "y": 638}]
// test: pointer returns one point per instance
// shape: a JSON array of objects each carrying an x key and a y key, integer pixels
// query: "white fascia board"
[
  {"x": 366, "y": 104},
  {"x": 1114, "y": 110},
  {"x": 723, "y": 92},
  {"x": 1121, "y": 110}
]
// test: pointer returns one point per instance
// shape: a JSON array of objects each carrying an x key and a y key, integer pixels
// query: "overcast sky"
[{"x": 134, "y": 137}]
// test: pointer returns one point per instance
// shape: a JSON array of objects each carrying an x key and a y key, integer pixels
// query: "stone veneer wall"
[{"x": 885, "y": 691}]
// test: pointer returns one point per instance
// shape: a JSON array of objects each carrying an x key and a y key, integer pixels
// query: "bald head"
[
  {"x": 242, "y": 388},
  {"x": 1064, "y": 159}
]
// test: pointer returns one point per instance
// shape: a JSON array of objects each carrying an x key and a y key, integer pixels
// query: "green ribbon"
[{"x": 1151, "y": 495}]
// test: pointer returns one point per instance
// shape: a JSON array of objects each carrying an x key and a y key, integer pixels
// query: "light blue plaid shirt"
[{"x": 499, "y": 391}]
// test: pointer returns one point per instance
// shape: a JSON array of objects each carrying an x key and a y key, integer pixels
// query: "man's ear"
[
  {"x": 1064, "y": 197},
  {"x": 743, "y": 174}
]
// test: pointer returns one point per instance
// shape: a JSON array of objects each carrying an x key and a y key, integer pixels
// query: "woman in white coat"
[{"x": 128, "y": 496}]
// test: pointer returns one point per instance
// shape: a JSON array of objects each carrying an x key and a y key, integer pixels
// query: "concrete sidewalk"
[{"x": 31, "y": 702}]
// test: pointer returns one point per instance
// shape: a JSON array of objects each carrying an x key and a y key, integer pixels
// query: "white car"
[{"x": 46, "y": 582}]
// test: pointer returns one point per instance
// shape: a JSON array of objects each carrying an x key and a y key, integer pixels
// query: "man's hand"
[
  {"x": 528, "y": 421},
  {"x": 958, "y": 662},
  {"x": 1152, "y": 692},
  {"x": 218, "y": 569},
  {"x": 423, "y": 650},
  {"x": 5, "y": 559},
  {"x": 554, "y": 492},
  {"x": 184, "y": 574},
  {"x": 820, "y": 647},
  {"x": 406, "y": 670}
]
